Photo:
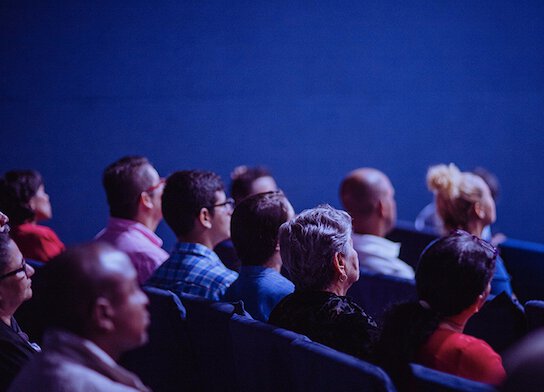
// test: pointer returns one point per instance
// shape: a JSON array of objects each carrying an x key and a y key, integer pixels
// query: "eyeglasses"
[
  {"x": 229, "y": 203},
  {"x": 153, "y": 187},
  {"x": 22, "y": 269}
]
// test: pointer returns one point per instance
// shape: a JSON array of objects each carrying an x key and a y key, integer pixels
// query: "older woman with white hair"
[{"x": 317, "y": 251}]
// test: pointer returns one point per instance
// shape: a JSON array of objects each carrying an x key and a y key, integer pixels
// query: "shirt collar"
[
  {"x": 196, "y": 249},
  {"x": 378, "y": 245},
  {"x": 120, "y": 224}
]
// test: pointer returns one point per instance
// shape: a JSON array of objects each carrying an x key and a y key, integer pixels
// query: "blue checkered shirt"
[{"x": 193, "y": 269}]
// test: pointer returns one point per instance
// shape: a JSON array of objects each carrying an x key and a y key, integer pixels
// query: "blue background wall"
[{"x": 310, "y": 89}]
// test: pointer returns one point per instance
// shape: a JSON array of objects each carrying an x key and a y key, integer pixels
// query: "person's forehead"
[
  {"x": 220, "y": 197},
  {"x": 151, "y": 171}
]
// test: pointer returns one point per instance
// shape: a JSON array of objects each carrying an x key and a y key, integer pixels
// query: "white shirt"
[{"x": 379, "y": 255}]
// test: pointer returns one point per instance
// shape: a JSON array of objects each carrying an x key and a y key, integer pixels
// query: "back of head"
[
  {"x": 124, "y": 180},
  {"x": 255, "y": 224},
  {"x": 243, "y": 178},
  {"x": 186, "y": 192},
  {"x": 17, "y": 187},
  {"x": 456, "y": 193},
  {"x": 309, "y": 242},
  {"x": 452, "y": 272},
  {"x": 361, "y": 190},
  {"x": 73, "y": 282}
]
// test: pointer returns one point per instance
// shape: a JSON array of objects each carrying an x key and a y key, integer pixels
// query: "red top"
[
  {"x": 37, "y": 242},
  {"x": 462, "y": 355}
]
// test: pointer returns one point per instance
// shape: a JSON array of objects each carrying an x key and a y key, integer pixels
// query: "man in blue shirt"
[
  {"x": 196, "y": 208},
  {"x": 254, "y": 232}
]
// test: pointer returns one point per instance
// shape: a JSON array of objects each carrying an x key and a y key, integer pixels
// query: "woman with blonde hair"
[{"x": 463, "y": 201}]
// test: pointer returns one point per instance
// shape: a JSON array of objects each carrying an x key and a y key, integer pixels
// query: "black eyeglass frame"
[
  {"x": 229, "y": 202},
  {"x": 15, "y": 272}
]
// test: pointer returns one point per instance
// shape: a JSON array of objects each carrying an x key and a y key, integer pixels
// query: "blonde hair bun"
[{"x": 444, "y": 179}]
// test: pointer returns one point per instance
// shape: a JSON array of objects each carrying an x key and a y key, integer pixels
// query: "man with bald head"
[
  {"x": 368, "y": 196},
  {"x": 94, "y": 311}
]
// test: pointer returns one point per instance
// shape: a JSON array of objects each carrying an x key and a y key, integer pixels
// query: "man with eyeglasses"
[
  {"x": 134, "y": 189},
  {"x": 196, "y": 208}
]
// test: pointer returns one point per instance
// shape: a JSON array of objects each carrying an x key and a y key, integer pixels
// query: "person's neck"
[
  {"x": 148, "y": 221},
  {"x": 6, "y": 318},
  {"x": 475, "y": 228},
  {"x": 457, "y": 322},
  {"x": 198, "y": 239},
  {"x": 274, "y": 262},
  {"x": 337, "y": 288},
  {"x": 366, "y": 225},
  {"x": 106, "y": 345}
]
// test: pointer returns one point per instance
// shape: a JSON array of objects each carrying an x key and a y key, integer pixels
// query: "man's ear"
[
  {"x": 205, "y": 218},
  {"x": 146, "y": 200},
  {"x": 380, "y": 208},
  {"x": 102, "y": 314}
]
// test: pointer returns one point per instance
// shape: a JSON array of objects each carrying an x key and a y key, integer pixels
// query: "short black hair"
[
  {"x": 17, "y": 187},
  {"x": 186, "y": 192},
  {"x": 124, "y": 180},
  {"x": 255, "y": 224},
  {"x": 243, "y": 178}
]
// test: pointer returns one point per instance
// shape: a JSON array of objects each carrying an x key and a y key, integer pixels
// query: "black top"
[
  {"x": 15, "y": 351},
  {"x": 327, "y": 318}
]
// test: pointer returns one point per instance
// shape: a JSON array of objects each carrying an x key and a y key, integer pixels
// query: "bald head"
[{"x": 368, "y": 196}]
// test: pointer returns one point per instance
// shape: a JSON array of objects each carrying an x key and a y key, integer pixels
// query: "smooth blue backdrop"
[{"x": 312, "y": 89}]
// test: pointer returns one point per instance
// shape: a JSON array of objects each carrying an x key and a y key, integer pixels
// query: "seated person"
[
  {"x": 246, "y": 181},
  {"x": 95, "y": 311},
  {"x": 369, "y": 197},
  {"x": 429, "y": 220},
  {"x": 23, "y": 199},
  {"x": 452, "y": 281},
  {"x": 196, "y": 208},
  {"x": 463, "y": 201},
  {"x": 254, "y": 230},
  {"x": 15, "y": 288},
  {"x": 134, "y": 190},
  {"x": 317, "y": 250}
]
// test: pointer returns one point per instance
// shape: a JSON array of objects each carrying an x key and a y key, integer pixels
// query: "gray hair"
[{"x": 309, "y": 242}]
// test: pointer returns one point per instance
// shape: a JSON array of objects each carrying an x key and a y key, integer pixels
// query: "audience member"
[
  {"x": 317, "y": 250},
  {"x": 246, "y": 181},
  {"x": 369, "y": 197},
  {"x": 525, "y": 364},
  {"x": 15, "y": 288},
  {"x": 23, "y": 199},
  {"x": 429, "y": 220},
  {"x": 196, "y": 208},
  {"x": 452, "y": 281},
  {"x": 464, "y": 201},
  {"x": 95, "y": 311},
  {"x": 254, "y": 230},
  {"x": 134, "y": 190}
]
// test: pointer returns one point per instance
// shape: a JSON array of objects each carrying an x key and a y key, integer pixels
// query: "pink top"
[
  {"x": 138, "y": 242},
  {"x": 462, "y": 355}
]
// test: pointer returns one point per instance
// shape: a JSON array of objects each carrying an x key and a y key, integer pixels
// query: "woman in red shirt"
[
  {"x": 453, "y": 281},
  {"x": 23, "y": 199}
]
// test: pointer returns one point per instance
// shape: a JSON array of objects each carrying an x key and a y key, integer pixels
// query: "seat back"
[
  {"x": 166, "y": 362},
  {"x": 534, "y": 312},
  {"x": 429, "y": 380},
  {"x": 261, "y": 355},
  {"x": 412, "y": 241},
  {"x": 500, "y": 322},
  {"x": 525, "y": 263},
  {"x": 376, "y": 292},
  {"x": 208, "y": 327},
  {"x": 319, "y": 368}
]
